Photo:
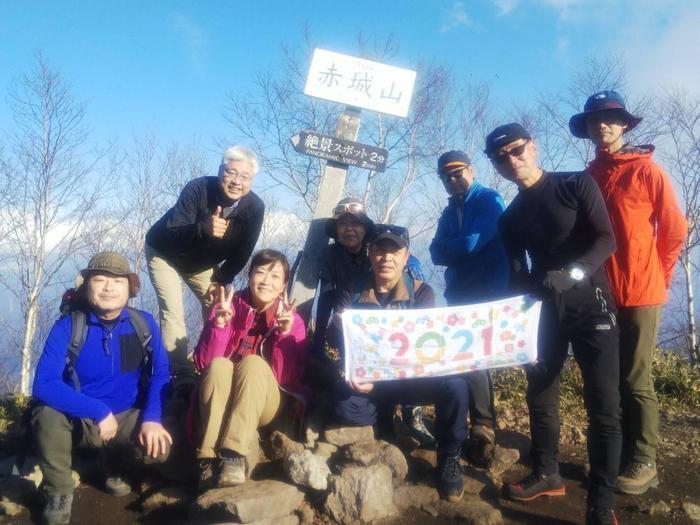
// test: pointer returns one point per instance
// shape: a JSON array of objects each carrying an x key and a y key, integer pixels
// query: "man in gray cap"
[
  {"x": 205, "y": 239},
  {"x": 99, "y": 383}
]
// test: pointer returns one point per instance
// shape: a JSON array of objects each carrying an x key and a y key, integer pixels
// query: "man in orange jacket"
[{"x": 650, "y": 230}]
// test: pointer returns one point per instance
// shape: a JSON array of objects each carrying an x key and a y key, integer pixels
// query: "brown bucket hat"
[{"x": 114, "y": 263}]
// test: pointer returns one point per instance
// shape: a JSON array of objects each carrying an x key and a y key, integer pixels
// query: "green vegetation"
[{"x": 676, "y": 382}]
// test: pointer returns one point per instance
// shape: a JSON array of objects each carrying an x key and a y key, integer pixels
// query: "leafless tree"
[
  {"x": 679, "y": 116},
  {"x": 50, "y": 193}
]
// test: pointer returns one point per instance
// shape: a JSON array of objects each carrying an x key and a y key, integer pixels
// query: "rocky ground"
[{"x": 346, "y": 476}]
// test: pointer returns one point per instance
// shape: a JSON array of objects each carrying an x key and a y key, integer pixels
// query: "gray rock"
[
  {"x": 360, "y": 494},
  {"x": 341, "y": 436},
  {"x": 281, "y": 446},
  {"x": 659, "y": 508},
  {"x": 376, "y": 452},
  {"x": 254, "y": 500},
  {"x": 470, "y": 510},
  {"x": 306, "y": 514},
  {"x": 325, "y": 450},
  {"x": 286, "y": 520},
  {"x": 306, "y": 469},
  {"x": 691, "y": 510},
  {"x": 409, "y": 495},
  {"x": 172, "y": 496},
  {"x": 504, "y": 459}
]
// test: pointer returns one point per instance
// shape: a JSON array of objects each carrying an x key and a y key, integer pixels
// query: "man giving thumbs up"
[{"x": 205, "y": 239}]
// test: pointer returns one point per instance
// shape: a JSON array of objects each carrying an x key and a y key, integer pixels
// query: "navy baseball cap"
[
  {"x": 601, "y": 101},
  {"x": 452, "y": 161},
  {"x": 504, "y": 135},
  {"x": 396, "y": 234}
]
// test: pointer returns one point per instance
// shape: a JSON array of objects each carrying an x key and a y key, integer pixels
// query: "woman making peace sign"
[{"x": 252, "y": 353}]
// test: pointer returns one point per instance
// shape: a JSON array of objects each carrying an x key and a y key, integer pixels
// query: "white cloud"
[
  {"x": 193, "y": 37},
  {"x": 456, "y": 17},
  {"x": 505, "y": 7},
  {"x": 658, "y": 60}
]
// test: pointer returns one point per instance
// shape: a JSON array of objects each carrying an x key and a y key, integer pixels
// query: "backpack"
[{"x": 70, "y": 306}]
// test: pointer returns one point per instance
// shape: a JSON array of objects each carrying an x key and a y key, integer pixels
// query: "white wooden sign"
[{"x": 358, "y": 82}]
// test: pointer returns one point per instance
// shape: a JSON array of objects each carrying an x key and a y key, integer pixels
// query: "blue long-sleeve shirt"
[
  {"x": 108, "y": 369},
  {"x": 477, "y": 268}
]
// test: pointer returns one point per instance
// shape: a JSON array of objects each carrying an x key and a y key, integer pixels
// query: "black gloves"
[{"x": 558, "y": 281}]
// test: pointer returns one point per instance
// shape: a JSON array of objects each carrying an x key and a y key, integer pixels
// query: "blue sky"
[{"x": 166, "y": 67}]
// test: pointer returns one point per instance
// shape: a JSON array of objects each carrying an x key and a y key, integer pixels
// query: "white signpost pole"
[{"x": 358, "y": 83}]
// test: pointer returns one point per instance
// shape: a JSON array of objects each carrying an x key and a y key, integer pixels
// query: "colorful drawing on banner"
[{"x": 400, "y": 344}]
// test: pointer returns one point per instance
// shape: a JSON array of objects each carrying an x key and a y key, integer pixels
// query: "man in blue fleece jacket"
[
  {"x": 467, "y": 242},
  {"x": 109, "y": 407}
]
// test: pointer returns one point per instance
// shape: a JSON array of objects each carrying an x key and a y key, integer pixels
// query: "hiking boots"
[
  {"x": 413, "y": 416},
  {"x": 233, "y": 470},
  {"x": 481, "y": 447},
  {"x": 57, "y": 509},
  {"x": 535, "y": 485},
  {"x": 637, "y": 478},
  {"x": 116, "y": 486},
  {"x": 601, "y": 516},
  {"x": 450, "y": 480},
  {"x": 207, "y": 474}
]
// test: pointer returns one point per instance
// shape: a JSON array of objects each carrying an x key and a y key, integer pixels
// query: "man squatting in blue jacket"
[
  {"x": 107, "y": 409},
  {"x": 467, "y": 242}
]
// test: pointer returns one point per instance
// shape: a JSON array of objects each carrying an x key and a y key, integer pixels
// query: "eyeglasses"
[
  {"x": 353, "y": 207},
  {"x": 501, "y": 156},
  {"x": 232, "y": 175}
]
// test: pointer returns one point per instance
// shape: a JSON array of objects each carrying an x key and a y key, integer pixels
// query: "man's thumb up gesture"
[{"x": 216, "y": 227}]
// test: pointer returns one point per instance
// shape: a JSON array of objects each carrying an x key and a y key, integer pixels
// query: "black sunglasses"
[
  {"x": 502, "y": 156},
  {"x": 399, "y": 231},
  {"x": 444, "y": 177}
]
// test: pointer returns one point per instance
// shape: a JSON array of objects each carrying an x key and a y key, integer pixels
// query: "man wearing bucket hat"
[
  {"x": 205, "y": 239},
  {"x": 468, "y": 244},
  {"x": 650, "y": 230},
  {"x": 99, "y": 383},
  {"x": 558, "y": 221}
]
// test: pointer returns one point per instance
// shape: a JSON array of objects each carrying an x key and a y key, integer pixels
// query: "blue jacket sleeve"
[
  {"x": 160, "y": 379},
  {"x": 482, "y": 230},
  {"x": 49, "y": 387}
]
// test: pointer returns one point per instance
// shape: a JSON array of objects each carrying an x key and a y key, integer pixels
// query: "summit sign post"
[{"x": 359, "y": 84}]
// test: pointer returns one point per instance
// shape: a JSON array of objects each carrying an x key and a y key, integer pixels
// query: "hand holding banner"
[{"x": 385, "y": 345}]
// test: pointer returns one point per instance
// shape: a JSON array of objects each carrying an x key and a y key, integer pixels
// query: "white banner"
[
  {"x": 400, "y": 344},
  {"x": 358, "y": 82}
]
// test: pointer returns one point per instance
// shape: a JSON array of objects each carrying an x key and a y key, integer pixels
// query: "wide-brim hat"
[
  {"x": 610, "y": 101},
  {"x": 113, "y": 263},
  {"x": 348, "y": 206}
]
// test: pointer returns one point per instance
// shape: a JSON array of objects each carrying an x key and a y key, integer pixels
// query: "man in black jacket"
[
  {"x": 204, "y": 240},
  {"x": 559, "y": 220}
]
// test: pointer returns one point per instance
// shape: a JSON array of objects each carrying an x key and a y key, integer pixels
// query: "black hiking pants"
[{"x": 583, "y": 317}]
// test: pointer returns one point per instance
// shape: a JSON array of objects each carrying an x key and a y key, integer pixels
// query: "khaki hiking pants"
[
  {"x": 235, "y": 399},
  {"x": 167, "y": 282},
  {"x": 639, "y": 326}
]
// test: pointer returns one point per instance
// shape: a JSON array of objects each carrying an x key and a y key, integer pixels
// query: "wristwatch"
[{"x": 576, "y": 273}]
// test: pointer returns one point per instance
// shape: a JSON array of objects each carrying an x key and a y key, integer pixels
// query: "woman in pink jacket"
[{"x": 252, "y": 354}]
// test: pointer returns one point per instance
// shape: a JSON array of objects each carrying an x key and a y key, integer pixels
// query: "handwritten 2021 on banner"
[{"x": 384, "y": 345}]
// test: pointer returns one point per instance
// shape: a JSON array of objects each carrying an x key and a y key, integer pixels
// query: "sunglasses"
[
  {"x": 353, "y": 207},
  {"x": 502, "y": 156},
  {"x": 444, "y": 177},
  {"x": 399, "y": 231}
]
